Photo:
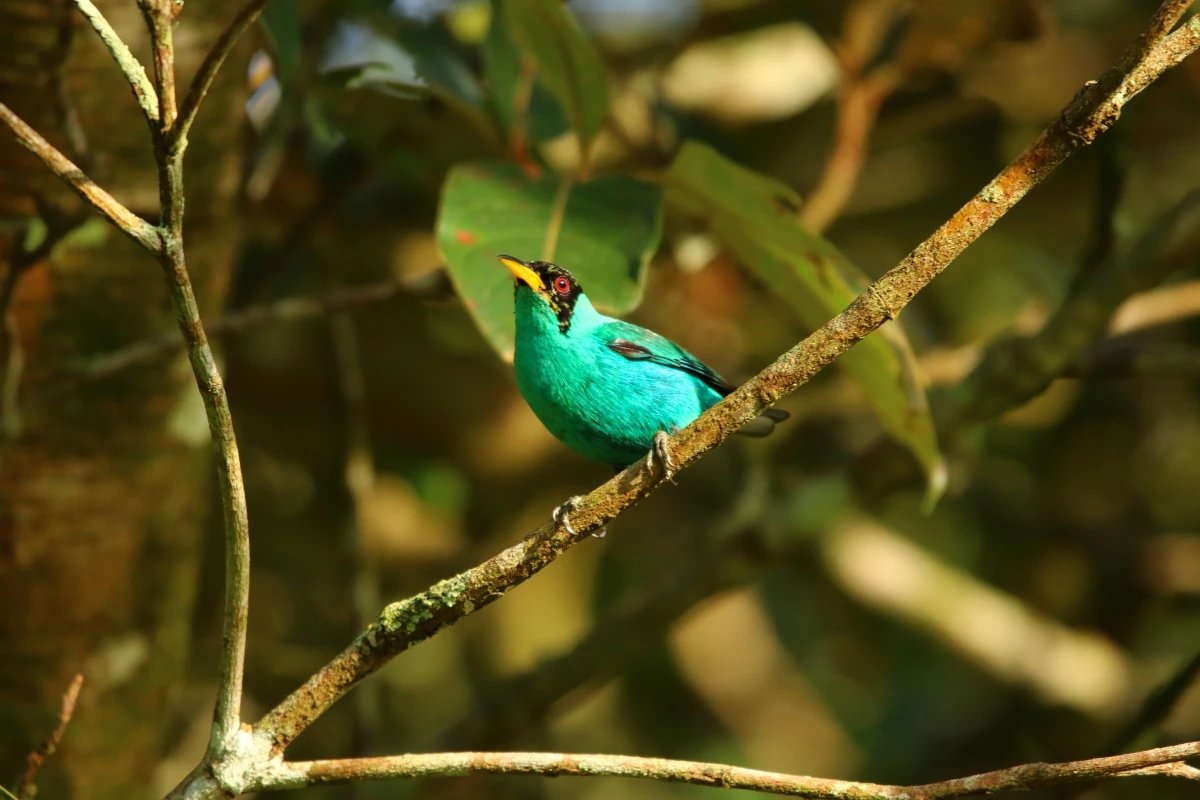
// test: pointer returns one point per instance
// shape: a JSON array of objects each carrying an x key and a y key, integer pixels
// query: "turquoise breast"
[{"x": 594, "y": 400}]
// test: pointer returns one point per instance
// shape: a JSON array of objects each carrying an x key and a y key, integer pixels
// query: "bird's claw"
[
  {"x": 663, "y": 455},
  {"x": 561, "y": 517}
]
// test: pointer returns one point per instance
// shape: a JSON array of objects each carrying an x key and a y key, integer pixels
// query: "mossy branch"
[{"x": 135, "y": 73}]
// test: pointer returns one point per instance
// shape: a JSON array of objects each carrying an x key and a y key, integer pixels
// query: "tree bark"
[{"x": 102, "y": 490}]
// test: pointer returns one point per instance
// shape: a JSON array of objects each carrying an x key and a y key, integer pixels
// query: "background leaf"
[
  {"x": 609, "y": 229},
  {"x": 281, "y": 23},
  {"x": 502, "y": 68},
  {"x": 567, "y": 63},
  {"x": 755, "y": 217}
]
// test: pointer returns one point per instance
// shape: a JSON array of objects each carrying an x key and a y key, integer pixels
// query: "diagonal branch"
[
  {"x": 289, "y": 309},
  {"x": 1159, "y": 704},
  {"x": 26, "y": 789},
  {"x": 208, "y": 68},
  {"x": 405, "y": 623},
  {"x": 145, "y": 234},
  {"x": 139, "y": 82},
  {"x": 1166, "y": 761}
]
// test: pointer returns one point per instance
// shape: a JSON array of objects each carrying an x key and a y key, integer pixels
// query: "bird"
[{"x": 610, "y": 390}]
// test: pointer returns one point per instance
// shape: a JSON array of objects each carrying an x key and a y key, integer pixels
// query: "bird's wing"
[{"x": 638, "y": 344}]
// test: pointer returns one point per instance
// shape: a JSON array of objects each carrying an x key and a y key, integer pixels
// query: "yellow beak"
[{"x": 523, "y": 273}]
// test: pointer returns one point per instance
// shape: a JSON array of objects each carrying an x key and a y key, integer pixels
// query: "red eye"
[{"x": 562, "y": 285}]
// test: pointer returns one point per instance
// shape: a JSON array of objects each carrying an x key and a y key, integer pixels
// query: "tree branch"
[
  {"x": 1015, "y": 370},
  {"x": 25, "y": 789},
  {"x": 405, "y": 623},
  {"x": 142, "y": 232},
  {"x": 290, "y": 309},
  {"x": 212, "y": 62},
  {"x": 864, "y": 32},
  {"x": 143, "y": 90},
  {"x": 1158, "y": 704},
  {"x": 732, "y": 553},
  {"x": 168, "y": 151},
  {"x": 294, "y": 775},
  {"x": 160, "y": 17}
]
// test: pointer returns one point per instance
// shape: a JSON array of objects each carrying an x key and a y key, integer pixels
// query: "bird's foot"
[
  {"x": 661, "y": 454},
  {"x": 561, "y": 517}
]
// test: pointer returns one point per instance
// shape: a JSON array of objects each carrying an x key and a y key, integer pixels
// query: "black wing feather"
[
  {"x": 670, "y": 355},
  {"x": 644, "y": 345}
]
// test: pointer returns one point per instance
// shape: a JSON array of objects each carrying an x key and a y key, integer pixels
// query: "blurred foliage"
[{"x": 822, "y": 618}]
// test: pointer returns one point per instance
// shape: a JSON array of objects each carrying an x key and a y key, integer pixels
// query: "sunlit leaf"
[
  {"x": 755, "y": 217},
  {"x": 566, "y": 62},
  {"x": 609, "y": 228}
]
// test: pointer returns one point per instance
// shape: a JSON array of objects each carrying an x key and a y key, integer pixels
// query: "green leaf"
[
  {"x": 755, "y": 217},
  {"x": 566, "y": 61},
  {"x": 543, "y": 119},
  {"x": 281, "y": 23},
  {"x": 438, "y": 63},
  {"x": 609, "y": 227}
]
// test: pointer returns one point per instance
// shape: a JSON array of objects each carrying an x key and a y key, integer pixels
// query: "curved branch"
[
  {"x": 160, "y": 19},
  {"x": 1021, "y": 778},
  {"x": 208, "y": 68},
  {"x": 135, "y": 73}
]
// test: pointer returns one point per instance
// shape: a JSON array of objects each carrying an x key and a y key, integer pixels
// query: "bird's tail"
[{"x": 763, "y": 424}]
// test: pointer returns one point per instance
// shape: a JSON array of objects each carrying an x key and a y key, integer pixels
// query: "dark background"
[{"x": 787, "y": 607}]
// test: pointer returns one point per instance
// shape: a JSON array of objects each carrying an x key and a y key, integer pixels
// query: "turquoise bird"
[{"x": 610, "y": 390}]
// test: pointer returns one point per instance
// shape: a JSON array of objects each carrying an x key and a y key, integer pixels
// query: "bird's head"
[{"x": 548, "y": 283}]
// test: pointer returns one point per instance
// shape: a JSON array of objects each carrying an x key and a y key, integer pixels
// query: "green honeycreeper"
[{"x": 608, "y": 389}]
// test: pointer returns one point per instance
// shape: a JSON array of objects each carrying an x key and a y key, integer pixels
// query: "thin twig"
[
  {"x": 160, "y": 19},
  {"x": 405, "y": 623},
  {"x": 1158, "y": 705},
  {"x": 168, "y": 151},
  {"x": 212, "y": 62},
  {"x": 859, "y": 97},
  {"x": 557, "y": 211},
  {"x": 291, "y": 309},
  {"x": 138, "y": 229},
  {"x": 1130, "y": 357},
  {"x": 1156, "y": 307},
  {"x": 1176, "y": 769},
  {"x": 25, "y": 789},
  {"x": 135, "y": 73},
  {"x": 519, "y": 133},
  {"x": 1110, "y": 186},
  {"x": 295, "y": 775},
  {"x": 858, "y": 106},
  {"x": 360, "y": 477},
  {"x": 12, "y": 354},
  {"x": 1014, "y": 370}
]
